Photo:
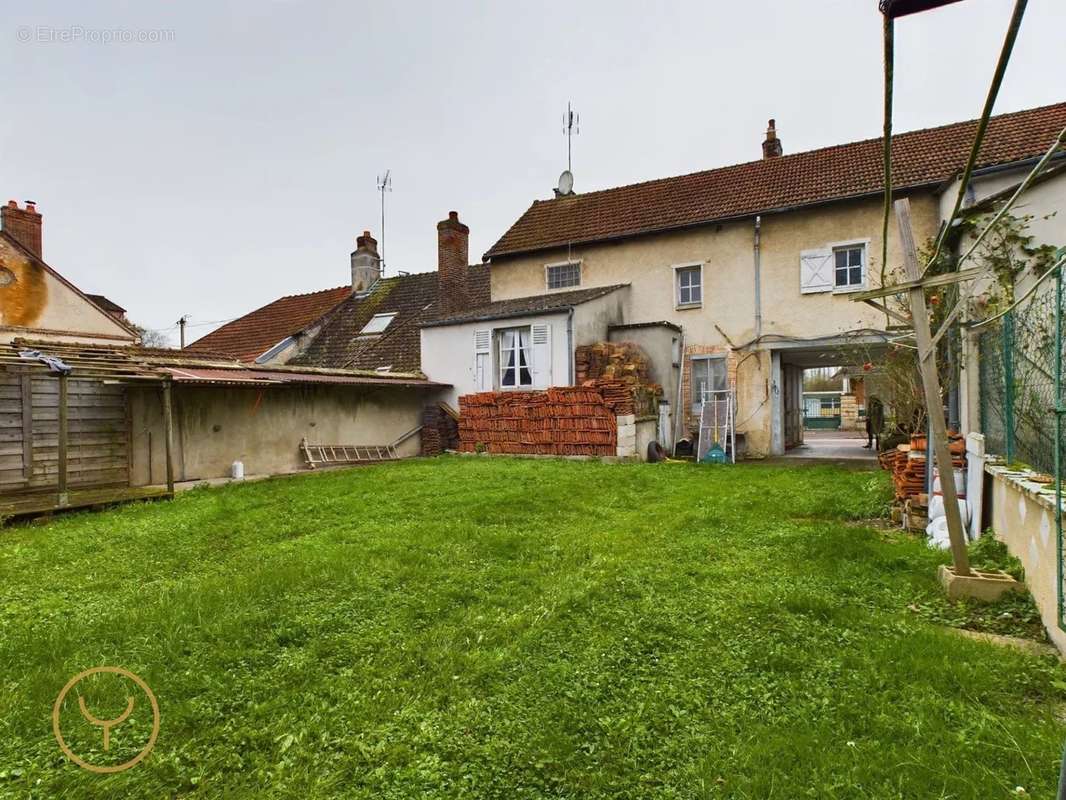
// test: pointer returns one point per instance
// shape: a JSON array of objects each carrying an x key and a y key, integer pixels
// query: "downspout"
[
  {"x": 679, "y": 412},
  {"x": 571, "y": 366},
  {"x": 758, "y": 277}
]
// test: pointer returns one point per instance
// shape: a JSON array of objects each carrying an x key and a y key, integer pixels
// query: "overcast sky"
[{"x": 234, "y": 160}]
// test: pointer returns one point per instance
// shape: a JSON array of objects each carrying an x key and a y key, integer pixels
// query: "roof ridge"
[
  {"x": 788, "y": 156},
  {"x": 307, "y": 294}
]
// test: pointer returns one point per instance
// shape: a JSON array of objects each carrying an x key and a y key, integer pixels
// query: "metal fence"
[{"x": 1021, "y": 366}]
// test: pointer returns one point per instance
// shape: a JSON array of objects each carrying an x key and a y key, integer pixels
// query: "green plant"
[{"x": 989, "y": 553}]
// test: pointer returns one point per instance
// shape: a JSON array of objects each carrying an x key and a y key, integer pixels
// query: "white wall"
[{"x": 448, "y": 352}]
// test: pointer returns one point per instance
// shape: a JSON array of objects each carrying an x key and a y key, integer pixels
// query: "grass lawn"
[{"x": 493, "y": 628}]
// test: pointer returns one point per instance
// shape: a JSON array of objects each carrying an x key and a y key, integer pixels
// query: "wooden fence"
[{"x": 97, "y": 447}]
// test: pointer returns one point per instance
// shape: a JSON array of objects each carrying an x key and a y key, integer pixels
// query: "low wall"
[
  {"x": 217, "y": 425},
  {"x": 1023, "y": 518}
]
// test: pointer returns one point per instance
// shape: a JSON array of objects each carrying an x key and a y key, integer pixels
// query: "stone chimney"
[
  {"x": 771, "y": 148},
  {"x": 453, "y": 257},
  {"x": 23, "y": 225},
  {"x": 366, "y": 263}
]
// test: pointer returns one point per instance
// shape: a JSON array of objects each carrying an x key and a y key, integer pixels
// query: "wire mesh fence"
[
  {"x": 1021, "y": 361},
  {"x": 1021, "y": 375}
]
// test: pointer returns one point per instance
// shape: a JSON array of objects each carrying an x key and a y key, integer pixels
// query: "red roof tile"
[
  {"x": 920, "y": 158},
  {"x": 250, "y": 336}
]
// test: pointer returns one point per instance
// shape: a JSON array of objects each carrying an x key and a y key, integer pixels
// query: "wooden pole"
[
  {"x": 61, "y": 452},
  {"x": 27, "y": 425},
  {"x": 168, "y": 434},
  {"x": 938, "y": 434}
]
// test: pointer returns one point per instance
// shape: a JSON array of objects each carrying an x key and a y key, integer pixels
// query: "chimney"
[
  {"x": 23, "y": 225},
  {"x": 771, "y": 148},
  {"x": 453, "y": 256},
  {"x": 366, "y": 263}
]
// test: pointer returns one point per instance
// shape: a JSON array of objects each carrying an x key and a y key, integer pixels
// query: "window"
[
  {"x": 689, "y": 285},
  {"x": 377, "y": 323},
  {"x": 560, "y": 276},
  {"x": 850, "y": 267},
  {"x": 709, "y": 374},
  {"x": 515, "y": 368}
]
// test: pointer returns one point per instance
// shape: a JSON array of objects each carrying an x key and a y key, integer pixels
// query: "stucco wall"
[
  {"x": 660, "y": 344},
  {"x": 35, "y": 303},
  {"x": 215, "y": 426},
  {"x": 726, "y": 251},
  {"x": 448, "y": 352},
  {"x": 727, "y": 316},
  {"x": 1024, "y": 519}
]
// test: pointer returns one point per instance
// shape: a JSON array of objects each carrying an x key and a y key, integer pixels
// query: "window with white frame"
[
  {"x": 689, "y": 285},
  {"x": 561, "y": 276},
  {"x": 377, "y": 323},
  {"x": 709, "y": 374},
  {"x": 516, "y": 371},
  {"x": 849, "y": 263}
]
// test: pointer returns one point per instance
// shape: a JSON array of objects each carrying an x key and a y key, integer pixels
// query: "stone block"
[{"x": 979, "y": 585}]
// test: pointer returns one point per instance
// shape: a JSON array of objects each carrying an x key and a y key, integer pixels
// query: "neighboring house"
[
  {"x": 370, "y": 324},
  {"x": 112, "y": 308},
  {"x": 37, "y": 301},
  {"x": 274, "y": 333},
  {"x": 88, "y": 416},
  {"x": 754, "y": 263}
]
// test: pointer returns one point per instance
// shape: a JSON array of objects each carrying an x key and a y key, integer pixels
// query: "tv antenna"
[
  {"x": 571, "y": 127},
  {"x": 384, "y": 185}
]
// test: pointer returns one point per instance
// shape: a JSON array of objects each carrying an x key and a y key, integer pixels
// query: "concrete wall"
[
  {"x": 1024, "y": 519},
  {"x": 727, "y": 317},
  {"x": 37, "y": 304},
  {"x": 215, "y": 426}
]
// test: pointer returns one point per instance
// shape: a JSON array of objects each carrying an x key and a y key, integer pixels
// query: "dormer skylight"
[{"x": 377, "y": 323}]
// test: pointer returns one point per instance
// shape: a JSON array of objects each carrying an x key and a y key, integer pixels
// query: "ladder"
[
  {"x": 717, "y": 427},
  {"x": 317, "y": 455}
]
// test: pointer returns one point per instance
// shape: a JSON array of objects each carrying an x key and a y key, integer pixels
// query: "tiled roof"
[
  {"x": 920, "y": 158},
  {"x": 525, "y": 306},
  {"x": 107, "y": 305},
  {"x": 340, "y": 343},
  {"x": 253, "y": 334}
]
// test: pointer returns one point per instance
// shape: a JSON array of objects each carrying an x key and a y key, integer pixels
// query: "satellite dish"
[{"x": 566, "y": 182}]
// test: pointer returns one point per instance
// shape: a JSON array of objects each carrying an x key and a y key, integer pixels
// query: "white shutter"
[
  {"x": 483, "y": 361},
  {"x": 542, "y": 355},
  {"x": 816, "y": 271}
]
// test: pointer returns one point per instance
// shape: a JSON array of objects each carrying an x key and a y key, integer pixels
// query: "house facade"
[
  {"x": 36, "y": 300},
  {"x": 753, "y": 264}
]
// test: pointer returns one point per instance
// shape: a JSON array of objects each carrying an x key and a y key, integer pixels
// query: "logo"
[{"x": 107, "y": 725}]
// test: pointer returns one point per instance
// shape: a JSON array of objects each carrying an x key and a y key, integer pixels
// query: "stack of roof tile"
[
  {"x": 572, "y": 420},
  {"x": 440, "y": 430},
  {"x": 910, "y": 462},
  {"x": 622, "y": 361}
]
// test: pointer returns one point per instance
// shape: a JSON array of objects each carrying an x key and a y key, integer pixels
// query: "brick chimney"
[
  {"x": 771, "y": 148},
  {"x": 366, "y": 263},
  {"x": 22, "y": 224},
  {"x": 453, "y": 257}
]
